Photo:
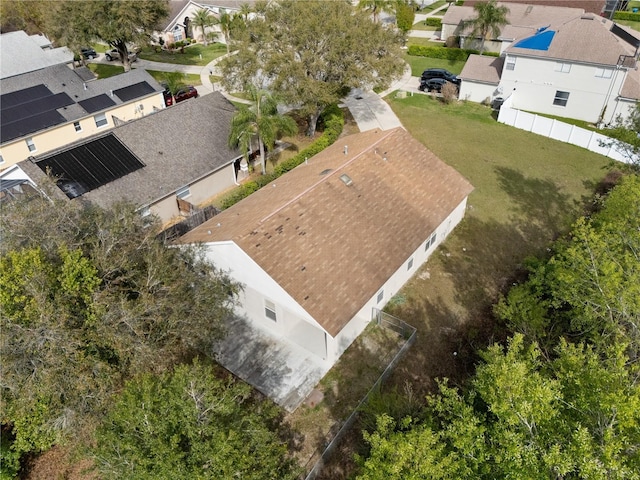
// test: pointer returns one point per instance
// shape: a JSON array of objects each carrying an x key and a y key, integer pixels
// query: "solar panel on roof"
[
  {"x": 12, "y": 99},
  {"x": 90, "y": 165},
  {"x": 29, "y": 125},
  {"x": 35, "y": 107},
  {"x": 136, "y": 90},
  {"x": 94, "y": 104}
]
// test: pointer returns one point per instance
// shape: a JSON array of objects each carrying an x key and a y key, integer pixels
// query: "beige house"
[
  {"x": 168, "y": 172},
  {"x": 322, "y": 246},
  {"x": 51, "y": 107}
]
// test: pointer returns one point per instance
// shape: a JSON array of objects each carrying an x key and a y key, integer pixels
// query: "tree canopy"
[
  {"x": 312, "y": 53},
  {"x": 626, "y": 135},
  {"x": 490, "y": 18},
  {"x": 90, "y": 297},
  {"x": 561, "y": 399},
  {"x": 191, "y": 424}
]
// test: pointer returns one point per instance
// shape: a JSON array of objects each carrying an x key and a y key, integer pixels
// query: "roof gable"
[{"x": 332, "y": 241}]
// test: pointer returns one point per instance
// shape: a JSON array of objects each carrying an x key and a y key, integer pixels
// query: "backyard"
[{"x": 528, "y": 190}]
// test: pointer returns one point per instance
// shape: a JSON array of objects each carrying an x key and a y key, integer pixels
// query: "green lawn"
[
  {"x": 422, "y": 26},
  {"x": 105, "y": 71},
  {"x": 189, "y": 78},
  {"x": 420, "y": 64},
  {"x": 195, "y": 54},
  {"x": 630, "y": 23},
  {"x": 433, "y": 6},
  {"x": 425, "y": 42}
]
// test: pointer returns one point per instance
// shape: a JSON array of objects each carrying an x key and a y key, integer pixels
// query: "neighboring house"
[
  {"x": 522, "y": 20},
  {"x": 166, "y": 163},
  {"x": 593, "y": 6},
  {"x": 181, "y": 13},
  {"x": 584, "y": 68},
  {"x": 322, "y": 246},
  {"x": 49, "y": 108},
  {"x": 21, "y": 53}
]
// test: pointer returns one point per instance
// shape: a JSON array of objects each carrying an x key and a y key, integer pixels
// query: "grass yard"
[
  {"x": 189, "y": 78},
  {"x": 104, "y": 71},
  {"x": 420, "y": 64},
  {"x": 433, "y": 6},
  {"x": 423, "y": 42},
  {"x": 195, "y": 54},
  {"x": 423, "y": 26}
]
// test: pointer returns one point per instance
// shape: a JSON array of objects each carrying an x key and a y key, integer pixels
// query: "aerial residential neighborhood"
[{"x": 319, "y": 239}]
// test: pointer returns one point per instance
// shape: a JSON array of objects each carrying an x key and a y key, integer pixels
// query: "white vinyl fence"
[{"x": 559, "y": 131}]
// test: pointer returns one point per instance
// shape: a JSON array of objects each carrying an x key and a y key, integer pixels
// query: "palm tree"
[
  {"x": 489, "y": 20},
  {"x": 260, "y": 119},
  {"x": 225, "y": 27},
  {"x": 377, "y": 6},
  {"x": 245, "y": 11},
  {"x": 203, "y": 19},
  {"x": 173, "y": 81}
]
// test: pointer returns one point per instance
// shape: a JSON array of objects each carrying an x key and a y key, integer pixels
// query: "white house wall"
[
  {"x": 477, "y": 92},
  {"x": 358, "y": 323},
  {"x": 258, "y": 287},
  {"x": 534, "y": 82}
]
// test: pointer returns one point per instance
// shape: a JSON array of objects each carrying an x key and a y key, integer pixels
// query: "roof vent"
[
  {"x": 326, "y": 171},
  {"x": 346, "y": 179},
  {"x": 346, "y": 149},
  {"x": 587, "y": 16}
]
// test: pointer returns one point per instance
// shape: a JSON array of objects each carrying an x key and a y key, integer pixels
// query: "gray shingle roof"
[{"x": 20, "y": 53}]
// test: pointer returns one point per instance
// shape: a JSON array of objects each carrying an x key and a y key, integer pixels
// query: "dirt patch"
[{"x": 59, "y": 463}]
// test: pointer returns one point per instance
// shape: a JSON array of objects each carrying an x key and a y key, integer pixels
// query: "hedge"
[
  {"x": 444, "y": 53},
  {"x": 433, "y": 22},
  {"x": 634, "y": 17},
  {"x": 333, "y": 120}
]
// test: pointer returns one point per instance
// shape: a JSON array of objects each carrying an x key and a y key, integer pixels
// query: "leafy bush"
[
  {"x": 634, "y": 17},
  {"x": 333, "y": 120},
  {"x": 433, "y": 22},
  {"x": 444, "y": 53},
  {"x": 9, "y": 458}
]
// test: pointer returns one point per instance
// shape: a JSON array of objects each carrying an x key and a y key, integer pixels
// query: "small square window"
[
  {"x": 183, "y": 192},
  {"x": 380, "y": 296},
  {"x": 563, "y": 67},
  {"x": 30, "y": 145},
  {"x": 430, "y": 241},
  {"x": 77, "y": 126},
  {"x": 410, "y": 264},
  {"x": 561, "y": 98},
  {"x": 270, "y": 310},
  {"x": 604, "y": 72},
  {"x": 511, "y": 63},
  {"x": 101, "y": 120}
]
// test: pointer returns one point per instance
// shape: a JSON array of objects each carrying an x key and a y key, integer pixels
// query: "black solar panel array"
[
  {"x": 30, "y": 110},
  {"x": 134, "y": 91},
  {"x": 90, "y": 165},
  {"x": 97, "y": 103}
]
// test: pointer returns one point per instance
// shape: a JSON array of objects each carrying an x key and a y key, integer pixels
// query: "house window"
[
  {"x": 380, "y": 296},
  {"x": 563, "y": 67},
  {"x": 30, "y": 145},
  {"x": 270, "y": 310},
  {"x": 77, "y": 126},
  {"x": 561, "y": 98},
  {"x": 410, "y": 264},
  {"x": 101, "y": 120},
  {"x": 184, "y": 192},
  {"x": 511, "y": 63},
  {"x": 604, "y": 72},
  {"x": 430, "y": 241},
  {"x": 177, "y": 33}
]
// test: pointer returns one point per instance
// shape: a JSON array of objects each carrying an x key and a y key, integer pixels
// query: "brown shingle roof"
[
  {"x": 332, "y": 246},
  {"x": 631, "y": 87},
  {"x": 586, "y": 38},
  {"x": 483, "y": 68}
]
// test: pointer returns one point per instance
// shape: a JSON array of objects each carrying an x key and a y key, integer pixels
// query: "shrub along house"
[
  {"x": 167, "y": 163},
  {"x": 320, "y": 247}
]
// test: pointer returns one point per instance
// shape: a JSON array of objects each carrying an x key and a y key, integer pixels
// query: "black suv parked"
[
  {"x": 88, "y": 52},
  {"x": 439, "y": 73}
]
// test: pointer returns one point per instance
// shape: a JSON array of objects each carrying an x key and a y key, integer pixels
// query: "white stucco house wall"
[
  {"x": 318, "y": 248},
  {"x": 584, "y": 68}
]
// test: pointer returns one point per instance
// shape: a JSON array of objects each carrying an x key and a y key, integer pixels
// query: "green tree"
[
  {"x": 626, "y": 135},
  {"x": 120, "y": 23},
  {"x": 225, "y": 23},
  {"x": 261, "y": 120},
  {"x": 191, "y": 424},
  {"x": 174, "y": 81},
  {"x": 312, "y": 53},
  {"x": 90, "y": 297},
  {"x": 490, "y": 18},
  {"x": 405, "y": 15},
  {"x": 203, "y": 19}
]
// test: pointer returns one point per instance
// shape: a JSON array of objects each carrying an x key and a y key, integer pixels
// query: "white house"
[
  {"x": 320, "y": 247},
  {"x": 584, "y": 68},
  {"x": 21, "y": 53}
]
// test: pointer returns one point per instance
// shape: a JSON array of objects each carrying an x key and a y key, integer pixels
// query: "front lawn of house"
[
  {"x": 195, "y": 54},
  {"x": 420, "y": 64},
  {"x": 105, "y": 71},
  {"x": 189, "y": 78}
]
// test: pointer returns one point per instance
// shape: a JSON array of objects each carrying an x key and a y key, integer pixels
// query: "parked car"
[
  {"x": 432, "y": 84},
  {"x": 186, "y": 92},
  {"x": 88, "y": 52},
  {"x": 168, "y": 99},
  {"x": 440, "y": 73},
  {"x": 113, "y": 54}
]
